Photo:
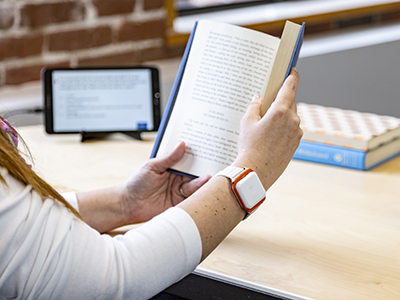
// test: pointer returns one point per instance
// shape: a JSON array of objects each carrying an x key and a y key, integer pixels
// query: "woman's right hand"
[{"x": 267, "y": 143}]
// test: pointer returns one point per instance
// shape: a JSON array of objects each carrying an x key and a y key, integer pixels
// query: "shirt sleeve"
[
  {"x": 71, "y": 198},
  {"x": 48, "y": 253}
]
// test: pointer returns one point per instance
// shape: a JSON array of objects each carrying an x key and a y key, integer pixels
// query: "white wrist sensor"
[{"x": 246, "y": 186}]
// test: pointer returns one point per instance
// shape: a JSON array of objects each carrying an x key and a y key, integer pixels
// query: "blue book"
[
  {"x": 346, "y": 157},
  {"x": 223, "y": 66}
]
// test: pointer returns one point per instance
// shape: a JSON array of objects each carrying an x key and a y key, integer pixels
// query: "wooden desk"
[{"x": 324, "y": 232}]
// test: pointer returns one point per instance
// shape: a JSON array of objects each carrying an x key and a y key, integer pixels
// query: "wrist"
[
  {"x": 102, "y": 209},
  {"x": 246, "y": 187},
  {"x": 124, "y": 205}
]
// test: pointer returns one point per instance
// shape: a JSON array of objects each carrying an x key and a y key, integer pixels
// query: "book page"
[{"x": 227, "y": 65}]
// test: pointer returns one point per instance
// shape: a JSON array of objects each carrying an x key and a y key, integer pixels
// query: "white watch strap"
[{"x": 231, "y": 172}]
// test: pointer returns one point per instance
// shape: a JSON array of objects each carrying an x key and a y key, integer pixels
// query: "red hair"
[{"x": 11, "y": 159}]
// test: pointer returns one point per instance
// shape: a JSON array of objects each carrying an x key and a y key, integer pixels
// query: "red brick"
[
  {"x": 20, "y": 47},
  {"x": 118, "y": 59},
  {"x": 80, "y": 39},
  {"x": 133, "y": 31},
  {"x": 132, "y": 57},
  {"x": 159, "y": 53},
  {"x": 114, "y": 7},
  {"x": 21, "y": 74},
  {"x": 6, "y": 17},
  {"x": 35, "y": 15},
  {"x": 153, "y": 4}
]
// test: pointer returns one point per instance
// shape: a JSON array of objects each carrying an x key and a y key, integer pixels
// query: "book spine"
[
  {"x": 331, "y": 155},
  {"x": 296, "y": 52}
]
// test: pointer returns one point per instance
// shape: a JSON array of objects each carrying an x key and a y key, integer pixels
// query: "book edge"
[{"x": 287, "y": 56}]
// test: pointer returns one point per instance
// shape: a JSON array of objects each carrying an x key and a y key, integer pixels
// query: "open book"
[{"x": 222, "y": 68}]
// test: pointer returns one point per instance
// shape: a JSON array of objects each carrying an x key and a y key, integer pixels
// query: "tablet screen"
[{"x": 102, "y": 100}]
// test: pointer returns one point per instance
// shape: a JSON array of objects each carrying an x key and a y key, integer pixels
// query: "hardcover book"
[
  {"x": 347, "y": 138},
  {"x": 222, "y": 68},
  {"x": 346, "y": 128},
  {"x": 346, "y": 157}
]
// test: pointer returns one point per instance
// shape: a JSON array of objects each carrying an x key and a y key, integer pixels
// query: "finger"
[
  {"x": 287, "y": 93},
  {"x": 254, "y": 109},
  {"x": 188, "y": 188},
  {"x": 161, "y": 164}
]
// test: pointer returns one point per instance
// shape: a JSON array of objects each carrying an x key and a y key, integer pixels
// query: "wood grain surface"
[{"x": 324, "y": 232}]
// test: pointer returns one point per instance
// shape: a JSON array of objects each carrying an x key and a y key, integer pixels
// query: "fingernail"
[{"x": 256, "y": 96}]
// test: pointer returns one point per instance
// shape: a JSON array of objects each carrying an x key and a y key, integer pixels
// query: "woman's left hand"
[
  {"x": 152, "y": 189},
  {"x": 147, "y": 193}
]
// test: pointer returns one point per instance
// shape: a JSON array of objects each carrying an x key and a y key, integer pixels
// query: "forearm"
[
  {"x": 103, "y": 209},
  {"x": 215, "y": 211}
]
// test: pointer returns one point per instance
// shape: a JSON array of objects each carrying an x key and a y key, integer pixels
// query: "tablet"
[{"x": 119, "y": 99}]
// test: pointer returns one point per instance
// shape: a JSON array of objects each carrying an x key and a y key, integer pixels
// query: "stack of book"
[{"x": 347, "y": 138}]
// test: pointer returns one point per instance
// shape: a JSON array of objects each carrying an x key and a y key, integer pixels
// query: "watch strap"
[{"x": 231, "y": 172}]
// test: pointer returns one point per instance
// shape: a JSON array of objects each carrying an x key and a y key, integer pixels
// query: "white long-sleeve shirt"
[{"x": 48, "y": 253}]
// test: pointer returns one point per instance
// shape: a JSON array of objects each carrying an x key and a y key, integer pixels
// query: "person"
[{"x": 48, "y": 251}]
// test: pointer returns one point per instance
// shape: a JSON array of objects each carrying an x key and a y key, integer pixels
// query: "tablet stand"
[{"x": 99, "y": 135}]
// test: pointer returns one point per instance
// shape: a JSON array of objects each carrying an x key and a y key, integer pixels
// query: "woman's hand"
[
  {"x": 152, "y": 189},
  {"x": 268, "y": 143},
  {"x": 147, "y": 193}
]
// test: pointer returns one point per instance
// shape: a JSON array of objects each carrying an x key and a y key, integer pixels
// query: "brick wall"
[{"x": 38, "y": 33}]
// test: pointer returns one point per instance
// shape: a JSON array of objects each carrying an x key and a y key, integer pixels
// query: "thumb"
[{"x": 162, "y": 163}]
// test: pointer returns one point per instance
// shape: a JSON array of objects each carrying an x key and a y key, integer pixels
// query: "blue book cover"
[
  {"x": 346, "y": 157},
  {"x": 296, "y": 52}
]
